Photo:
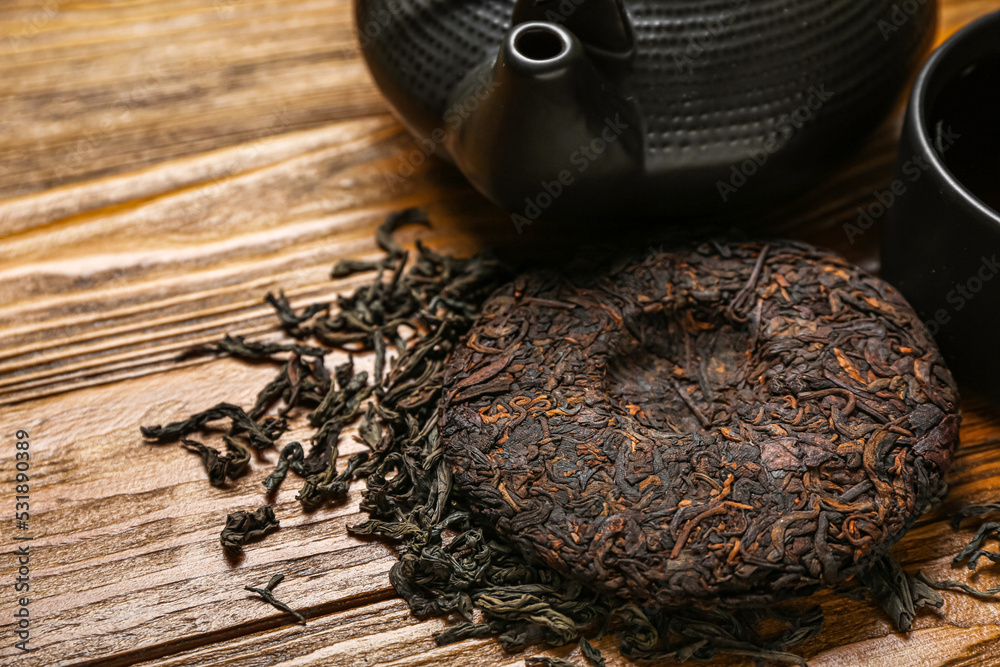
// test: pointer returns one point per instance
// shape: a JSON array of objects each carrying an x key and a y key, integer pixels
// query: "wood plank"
[
  {"x": 386, "y": 634},
  {"x": 127, "y": 562},
  {"x": 93, "y": 89},
  {"x": 121, "y": 290}
]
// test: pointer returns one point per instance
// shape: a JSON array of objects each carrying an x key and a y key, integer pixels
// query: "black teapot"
[{"x": 638, "y": 108}]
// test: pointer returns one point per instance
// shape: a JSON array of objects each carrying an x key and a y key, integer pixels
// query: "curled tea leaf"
[
  {"x": 243, "y": 527},
  {"x": 260, "y": 436},
  {"x": 324, "y": 487},
  {"x": 545, "y": 661},
  {"x": 465, "y": 630},
  {"x": 239, "y": 347},
  {"x": 291, "y": 456},
  {"x": 592, "y": 655},
  {"x": 409, "y": 216},
  {"x": 221, "y": 467},
  {"x": 988, "y": 594},
  {"x": 290, "y": 320},
  {"x": 988, "y": 530},
  {"x": 900, "y": 594}
]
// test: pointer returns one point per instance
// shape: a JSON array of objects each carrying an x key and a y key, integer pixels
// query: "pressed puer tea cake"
[{"x": 724, "y": 424}]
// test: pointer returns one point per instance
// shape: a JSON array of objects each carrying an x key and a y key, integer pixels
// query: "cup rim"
[{"x": 952, "y": 49}]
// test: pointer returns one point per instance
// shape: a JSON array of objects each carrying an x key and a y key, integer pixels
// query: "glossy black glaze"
[
  {"x": 942, "y": 242},
  {"x": 713, "y": 105}
]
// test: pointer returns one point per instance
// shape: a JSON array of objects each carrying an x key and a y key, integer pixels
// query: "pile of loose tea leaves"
[{"x": 419, "y": 306}]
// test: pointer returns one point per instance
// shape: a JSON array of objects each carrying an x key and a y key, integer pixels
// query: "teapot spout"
[
  {"x": 602, "y": 26},
  {"x": 540, "y": 130}
]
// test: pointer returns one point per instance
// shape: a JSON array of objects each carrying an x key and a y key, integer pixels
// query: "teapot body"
[{"x": 642, "y": 108}]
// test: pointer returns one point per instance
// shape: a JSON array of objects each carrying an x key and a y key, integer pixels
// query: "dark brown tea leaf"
[
  {"x": 897, "y": 592},
  {"x": 592, "y": 655},
  {"x": 545, "y": 661},
  {"x": 243, "y": 527},
  {"x": 267, "y": 595},
  {"x": 988, "y": 594},
  {"x": 221, "y": 467},
  {"x": 260, "y": 435},
  {"x": 987, "y": 530},
  {"x": 237, "y": 346},
  {"x": 291, "y": 456}
]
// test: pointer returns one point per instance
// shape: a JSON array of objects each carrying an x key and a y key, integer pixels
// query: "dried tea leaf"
[
  {"x": 464, "y": 630},
  {"x": 988, "y": 594},
  {"x": 237, "y": 346},
  {"x": 409, "y": 216},
  {"x": 260, "y": 435},
  {"x": 899, "y": 593},
  {"x": 545, "y": 661},
  {"x": 221, "y": 467},
  {"x": 291, "y": 456},
  {"x": 291, "y": 321},
  {"x": 328, "y": 485},
  {"x": 592, "y": 655},
  {"x": 988, "y": 530},
  {"x": 243, "y": 527},
  {"x": 267, "y": 595},
  {"x": 972, "y": 552}
]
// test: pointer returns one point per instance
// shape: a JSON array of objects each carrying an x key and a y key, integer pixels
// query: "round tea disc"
[{"x": 724, "y": 424}]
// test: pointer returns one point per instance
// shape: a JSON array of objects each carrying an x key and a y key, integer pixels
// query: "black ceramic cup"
[{"x": 941, "y": 247}]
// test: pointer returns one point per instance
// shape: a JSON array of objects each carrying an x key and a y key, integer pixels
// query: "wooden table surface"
[{"x": 163, "y": 165}]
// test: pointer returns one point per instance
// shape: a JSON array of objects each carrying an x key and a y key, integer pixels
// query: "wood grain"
[{"x": 162, "y": 167}]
